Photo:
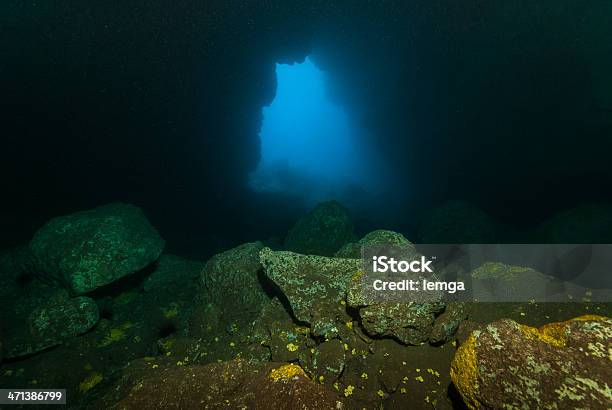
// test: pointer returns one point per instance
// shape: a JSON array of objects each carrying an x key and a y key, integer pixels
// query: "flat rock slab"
[{"x": 560, "y": 365}]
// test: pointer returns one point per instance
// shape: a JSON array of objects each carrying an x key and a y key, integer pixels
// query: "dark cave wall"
[
  {"x": 503, "y": 104},
  {"x": 157, "y": 105}
]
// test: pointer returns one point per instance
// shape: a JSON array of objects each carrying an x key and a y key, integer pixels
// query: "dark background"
[{"x": 507, "y": 105}]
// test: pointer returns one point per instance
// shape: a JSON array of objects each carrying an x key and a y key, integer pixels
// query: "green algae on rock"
[
  {"x": 410, "y": 323},
  {"x": 378, "y": 237},
  {"x": 314, "y": 286},
  {"x": 322, "y": 231},
  {"x": 498, "y": 282},
  {"x": 89, "y": 249},
  {"x": 318, "y": 288},
  {"x": 407, "y": 318},
  {"x": 560, "y": 365},
  {"x": 53, "y": 324},
  {"x": 326, "y": 361},
  {"x": 446, "y": 325}
]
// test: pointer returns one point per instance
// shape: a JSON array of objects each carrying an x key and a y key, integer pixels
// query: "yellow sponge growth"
[
  {"x": 90, "y": 382},
  {"x": 292, "y": 348},
  {"x": 115, "y": 334},
  {"x": 555, "y": 334},
  {"x": 287, "y": 372},
  {"x": 464, "y": 367},
  {"x": 464, "y": 372}
]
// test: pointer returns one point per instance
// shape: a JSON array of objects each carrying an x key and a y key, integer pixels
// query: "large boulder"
[
  {"x": 406, "y": 316},
  {"x": 322, "y": 231},
  {"x": 320, "y": 289},
  {"x": 498, "y": 282},
  {"x": 235, "y": 384},
  {"x": 232, "y": 292},
  {"x": 314, "y": 285},
  {"x": 374, "y": 238},
  {"x": 89, "y": 249},
  {"x": 560, "y": 365},
  {"x": 410, "y": 323},
  {"x": 52, "y": 324}
]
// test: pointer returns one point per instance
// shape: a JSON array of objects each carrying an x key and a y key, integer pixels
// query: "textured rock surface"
[
  {"x": 321, "y": 231},
  {"x": 560, "y": 365},
  {"x": 276, "y": 332},
  {"x": 446, "y": 325},
  {"x": 230, "y": 281},
  {"x": 498, "y": 282},
  {"x": 378, "y": 237},
  {"x": 326, "y": 362},
  {"x": 316, "y": 288},
  {"x": 232, "y": 275},
  {"x": 410, "y": 323},
  {"x": 51, "y": 325},
  {"x": 93, "y": 248},
  {"x": 235, "y": 384},
  {"x": 408, "y": 317},
  {"x": 314, "y": 285}
]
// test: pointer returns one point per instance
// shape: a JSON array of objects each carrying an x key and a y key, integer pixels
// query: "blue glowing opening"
[{"x": 308, "y": 145}]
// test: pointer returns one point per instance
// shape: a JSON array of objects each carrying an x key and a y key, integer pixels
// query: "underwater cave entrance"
[{"x": 309, "y": 148}]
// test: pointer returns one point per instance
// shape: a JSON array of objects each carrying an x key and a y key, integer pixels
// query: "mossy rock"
[
  {"x": 560, "y": 365},
  {"x": 89, "y": 249},
  {"x": 53, "y": 324},
  {"x": 498, "y": 282},
  {"x": 315, "y": 286},
  {"x": 446, "y": 325},
  {"x": 378, "y": 237},
  {"x": 322, "y": 231},
  {"x": 409, "y": 323},
  {"x": 326, "y": 362}
]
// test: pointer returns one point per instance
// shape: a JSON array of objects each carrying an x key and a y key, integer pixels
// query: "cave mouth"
[{"x": 310, "y": 147}]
